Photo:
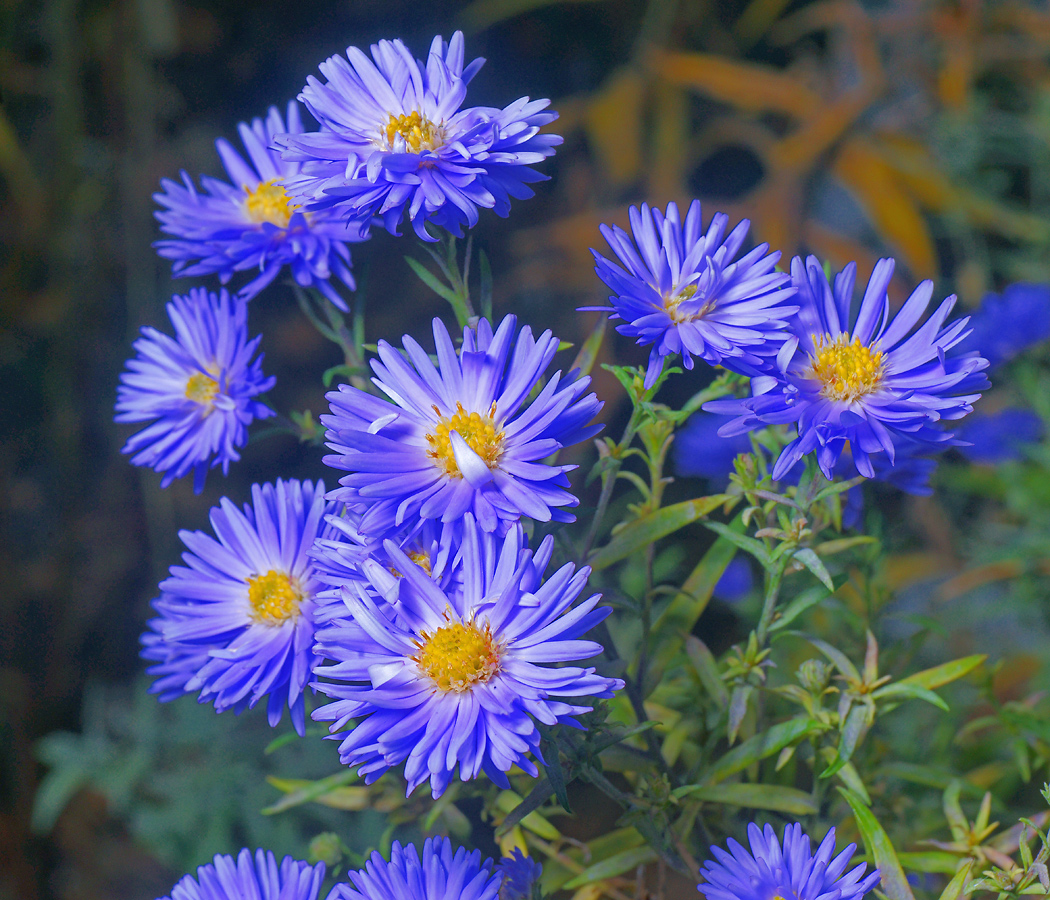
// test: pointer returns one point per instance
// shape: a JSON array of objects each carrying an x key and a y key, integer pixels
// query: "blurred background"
[{"x": 850, "y": 130}]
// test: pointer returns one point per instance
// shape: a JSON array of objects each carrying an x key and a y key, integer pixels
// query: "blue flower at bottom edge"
[
  {"x": 436, "y": 874},
  {"x": 261, "y": 878},
  {"x": 520, "y": 873},
  {"x": 236, "y": 622},
  {"x": 252, "y": 222},
  {"x": 874, "y": 384},
  {"x": 196, "y": 390},
  {"x": 791, "y": 872},
  {"x": 456, "y": 676}
]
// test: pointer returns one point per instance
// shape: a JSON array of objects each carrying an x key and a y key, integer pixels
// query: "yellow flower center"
[
  {"x": 422, "y": 560},
  {"x": 417, "y": 130},
  {"x": 846, "y": 370},
  {"x": 458, "y": 656},
  {"x": 269, "y": 202},
  {"x": 201, "y": 389},
  {"x": 478, "y": 431},
  {"x": 274, "y": 597}
]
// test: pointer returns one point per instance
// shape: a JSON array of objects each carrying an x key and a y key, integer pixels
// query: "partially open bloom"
[
  {"x": 462, "y": 436},
  {"x": 437, "y": 874},
  {"x": 790, "y": 873},
  {"x": 195, "y": 389},
  {"x": 236, "y": 622},
  {"x": 226, "y": 878},
  {"x": 520, "y": 873},
  {"x": 873, "y": 385},
  {"x": 394, "y": 141},
  {"x": 455, "y": 677},
  {"x": 252, "y": 222},
  {"x": 683, "y": 290}
]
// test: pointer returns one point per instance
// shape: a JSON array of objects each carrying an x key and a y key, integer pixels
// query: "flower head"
[
  {"x": 395, "y": 142},
  {"x": 1004, "y": 326},
  {"x": 236, "y": 622},
  {"x": 195, "y": 389},
  {"x": 790, "y": 873},
  {"x": 873, "y": 385},
  {"x": 998, "y": 437},
  {"x": 437, "y": 874},
  {"x": 253, "y": 222},
  {"x": 682, "y": 290},
  {"x": 520, "y": 873},
  {"x": 226, "y": 878},
  {"x": 461, "y": 436},
  {"x": 453, "y": 677}
]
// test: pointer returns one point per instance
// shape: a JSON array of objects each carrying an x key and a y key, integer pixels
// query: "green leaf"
[
  {"x": 753, "y": 796},
  {"x": 508, "y": 802},
  {"x": 298, "y": 792},
  {"x": 707, "y": 670},
  {"x": 946, "y": 672},
  {"x": 955, "y": 887},
  {"x": 342, "y": 370},
  {"x": 835, "y": 656},
  {"x": 851, "y": 778},
  {"x": 830, "y": 548},
  {"x": 539, "y": 795},
  {"x": 749, "y": 545},
  {"x": 936, "y": 861},
  {"x": 909, "y": 692},
  {"x": 585, "y": 359},
  {"x": 812, "y": 562},
  {"x": 759, "y": 747},
  {"x": 613, "y": 866},
  {"x": 485, "y": 299},
  {"x": 894, "y": 883},
  {"x": 431, "y": 281},
  {"x": 649, "y": 528},
  {"x": 809, "y": 597}
]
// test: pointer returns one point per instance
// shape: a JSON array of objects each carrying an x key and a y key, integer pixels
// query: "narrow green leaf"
[
  {"x": 738, "y": 701},
  {"x": 753, "y": 796},
  {"x": 812, "y": 562},
  {"x": 851, "y": 778},
  {"x": 909, "y": 692},
  {"x": 835, "y": 656},
  {"x": 939, "y": 862},
  {"x": 809, "y": 597},
  {"x": 539, "y": 795},
  {"x": 707, "y": 670},
  {"x": 556, "y": 776},
  {"x": 955, "y": 887},
  {"x": 431, "y": 281},
  {"x": 649, "y": 528},
  {"x": 615, "y": 865},
  {"x": 305, "y": 792},
  {"x": 946, "y": 672},
  {"x": 894, "y": 884},
  {"x": 585, "y": 359},
  {"x": 830, "y": 548},
  {"x": 748, "y": 544},
  {"x": 1026, "y": 721},
  {"x": 759, "y": 747}
]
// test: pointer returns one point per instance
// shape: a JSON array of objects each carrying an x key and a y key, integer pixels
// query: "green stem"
[{"x": 769, "y": 603}]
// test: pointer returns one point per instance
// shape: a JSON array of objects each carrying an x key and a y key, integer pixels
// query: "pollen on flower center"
[
  {"x": 274, "y": 597},
  {"x": 269, "y": 202},
  {"x": 458, "y": 656},
  {"x": 846, "y": 370},
  {"x": 418, "y": 132},
  {"x": 673, "y": 301},
  {"x": 421, "y": 559},
  {"x": 201, "y": 388},
  {"x": 477, "y": 430}
]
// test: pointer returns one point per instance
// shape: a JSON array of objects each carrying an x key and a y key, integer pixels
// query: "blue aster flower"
[
  {"x": 1005, "y": 326},
  {"x": 461, "y": 436},
  {"x": 236, "y": 622},
  {"x": 769, "y": 871},
  {"x": 226, "y": 878},
  {"x": 999, "y": 437},
  {"x": 456, "y": 677},
  {"x": 195, "y": 389},
  {"x": 520, "y": 873},
  {"x": 252, "y": 222},
  {"x": 437, "y": 874},
  {"x": 683, "y": 290},
  {"x": 395, "y": 142},
  {"x": 873, "y": 384},
  {"x": 701, "y": 452}
]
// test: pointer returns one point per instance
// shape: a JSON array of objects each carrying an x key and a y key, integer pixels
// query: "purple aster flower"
[
  {"x": 252, "y": 221},
  {"x": 226, "y": 878},
  {"x": 701, "y": 452},
  {"x": 520, "y": 873},
  {"x": 195, "y": 389},
  {"x": 872, "y": 384},
  {"x": 683, "y": 290},
  {"x": 768, "y": 871},
  {"x": 455, "y": 677},
  {"x": 236, "y": 622},
  {"x": 1002, "y": 327},
  {"x": 394, "y": 141},
  {"x": 461, "y": 436},
  {"x": 439, "y": 875},
  {"x": 998, "y": 437}
]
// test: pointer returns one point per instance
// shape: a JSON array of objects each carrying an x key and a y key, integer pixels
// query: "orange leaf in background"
[
  {"x": 744, "y": 85},
  {"x": 670, "y": 144},
  {"x": 800, "y": 150},
  {"x": 613, "y": 123},
  {"x": 892, "y": 209}
]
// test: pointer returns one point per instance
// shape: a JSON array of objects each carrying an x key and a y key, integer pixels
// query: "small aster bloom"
[
  {"x": 1005, "y": 326},
  {"x": 394, "y": 141},
  {"x": 683, "y": 290},
  {"x": 874, "y": 384},
  {"x": 236, "y": 622},
  {"x": 455, "y": 677},
  {"x": 701, "y": 452},
  {"x": 195, "y": 389},
  {"x": 770, "y": 871},
  {"x": 520, "y": 873},
  {"x": 261, "y": 878},
  {"x": 999, "y": 437},
  {"x": 252, "y": 222},
  {"x": 436, "y": 874},
  {"x": 461, "y": 436}
]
